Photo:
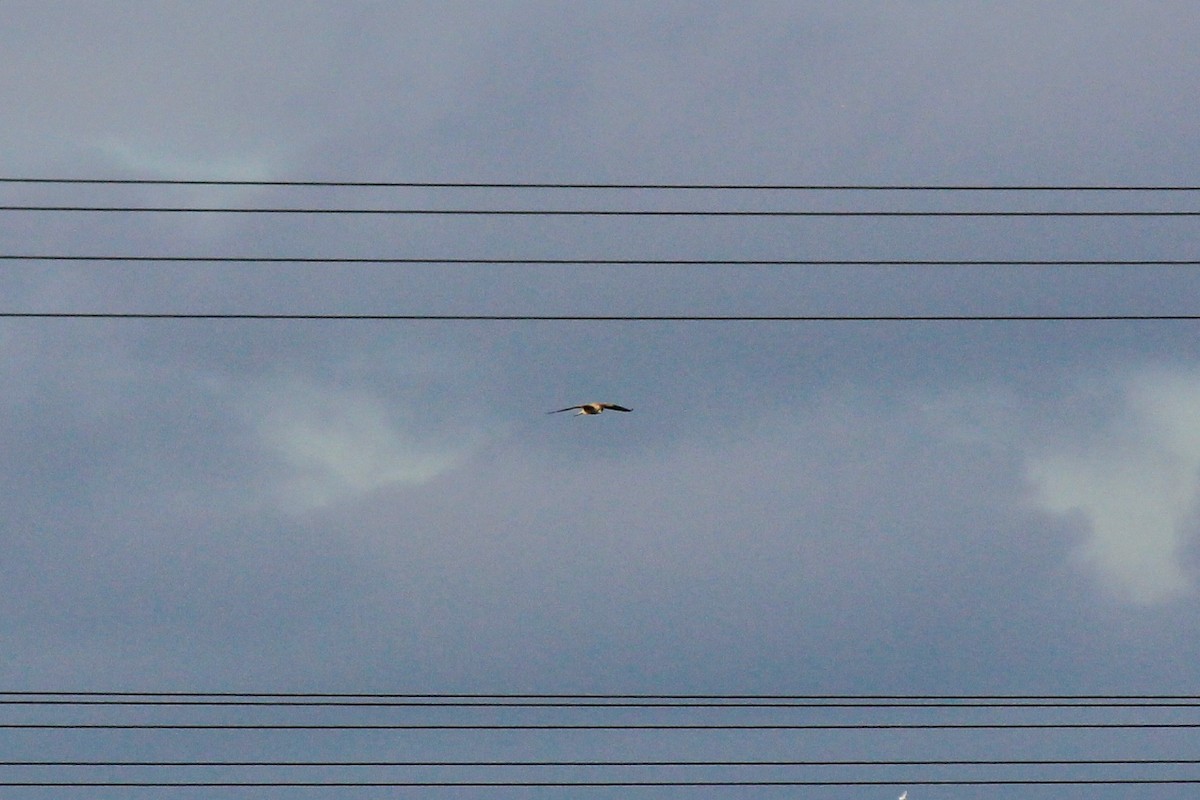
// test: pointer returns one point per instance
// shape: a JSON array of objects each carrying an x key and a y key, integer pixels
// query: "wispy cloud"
[
  {"x": 1135, "y": 481},
  {"x": 338, "y": 442}
]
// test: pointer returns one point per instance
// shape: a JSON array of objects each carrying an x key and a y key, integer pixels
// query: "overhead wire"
[
  {"x": 618, "y": 701},
  {"x": 733, "y": 262},
  {"x": 584, "y": 212},
  {"x": 610, "y": 212},
  {"x": 558, "y": 784},
  {"x": 89, "y": 699},
  {"x": 567, "y": 726},
  {"x": 715, "y": 186},
  {"x": 948, "y": 762},
  {"x": 721, "y": 318}
]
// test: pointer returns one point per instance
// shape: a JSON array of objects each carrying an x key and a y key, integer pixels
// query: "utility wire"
[
  {"x": 117, "y": 315},
  {"x": 553, "y": 704},
  {"x": 617, "y": 703},
  {"x": 665, "y": 186},
  {"x": 784, "y": 262},
  {"x": 652, "y": 726},
  {"x": 509, "y": 696},
  {"x": 1020, "y": 762},
  {"x": 558, "y": 212},
  {"x": 613, "y": 783}
]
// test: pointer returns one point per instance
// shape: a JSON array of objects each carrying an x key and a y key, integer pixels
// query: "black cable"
[
  {"x": 694, "y": 701},
  {"x": 803, "y": 726},
  {"x": 507, "y": 695},
  {"x": 595, "y": 784},
  {"x": 553, "y": 704},
  {"x": 618, "y": 701},
  {"x": 1030, "y": 762},
  {"x": 617, "y": 704},
  {"x": 118, "y": 315},
  {"x": 616, "y": 261},
  {"x": 568, "y": 185},
  {"x": 528, "y": 212}
]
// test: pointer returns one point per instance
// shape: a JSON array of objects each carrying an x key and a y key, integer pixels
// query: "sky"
[{"x": 792, "y": 508}]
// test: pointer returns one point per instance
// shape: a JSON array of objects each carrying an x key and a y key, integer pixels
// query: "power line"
[
  {"x": 610, "y": 783},
  {"x": 353, "y": 701},
  {"x": 1020, "y": 762},
  {"x": 507, "y": 696},
  {"x": 1080, "y": 771},
  {"x": 558, "y": 212},
  {"x": 593, "y": 185},
  {"x": 649, "y": 726},
  {"x": 614, "y": 261},
  {"x": 119, "y": 315},
  {"x": 577, "y": 704},
  {"x": 618, "y": 701}
]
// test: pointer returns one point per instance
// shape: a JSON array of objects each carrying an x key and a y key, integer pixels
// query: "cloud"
[
  {"x": 337, "y": 442},
  {"x": 164, "y": 162},
  {"x": 1135, "y": 484}
]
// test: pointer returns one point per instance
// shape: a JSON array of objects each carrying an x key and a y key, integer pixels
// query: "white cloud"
[
  {"x": 1136, "y": 485},
  {"x": 337, "y": 443},
  {"x": 167, "y": 162}
]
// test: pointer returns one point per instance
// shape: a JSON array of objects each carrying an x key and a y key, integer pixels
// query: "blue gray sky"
[{"x": 847, "y": 507}]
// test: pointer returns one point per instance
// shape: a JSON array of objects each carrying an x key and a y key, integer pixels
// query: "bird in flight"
[{"x": 591, "y": 408}]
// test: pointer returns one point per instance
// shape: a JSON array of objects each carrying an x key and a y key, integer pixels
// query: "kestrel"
[{"x": 591, "y": 408}]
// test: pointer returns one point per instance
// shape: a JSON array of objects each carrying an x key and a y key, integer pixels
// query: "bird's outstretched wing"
[
  {"x": 568, "y": 408},
  {"x": 616, "y": 407}
]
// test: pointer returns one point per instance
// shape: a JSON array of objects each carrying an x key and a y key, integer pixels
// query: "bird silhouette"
[{"x": 591, "y": 408}]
